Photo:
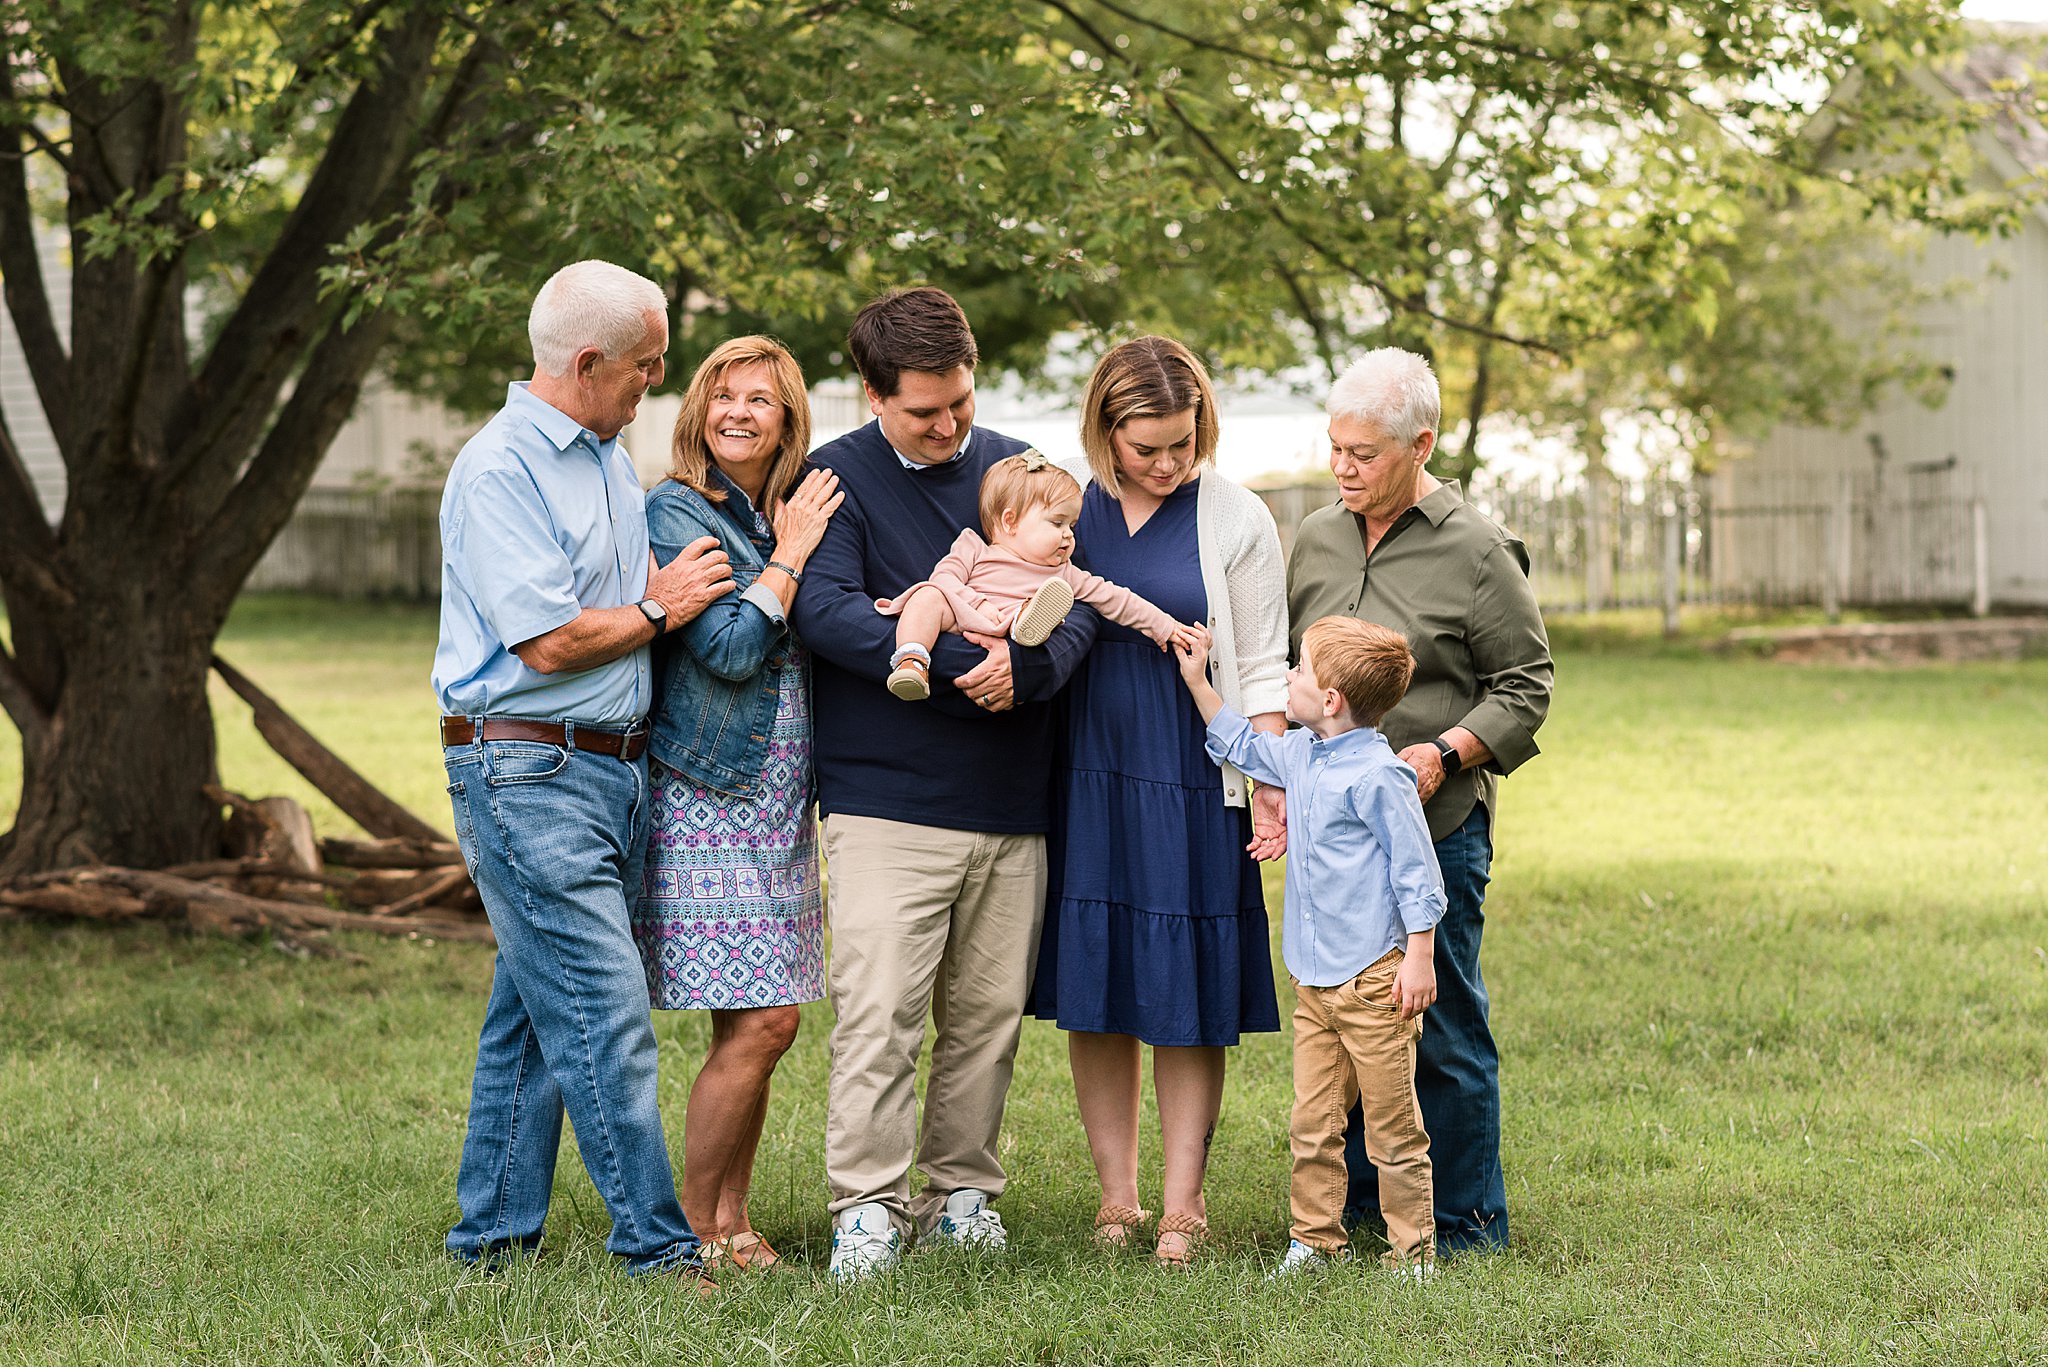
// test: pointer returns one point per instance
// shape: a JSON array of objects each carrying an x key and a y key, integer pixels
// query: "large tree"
[{"x": 257, "y": 198}]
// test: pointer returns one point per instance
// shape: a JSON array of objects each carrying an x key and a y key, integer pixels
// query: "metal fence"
[{"x": 1830, "y": 541}]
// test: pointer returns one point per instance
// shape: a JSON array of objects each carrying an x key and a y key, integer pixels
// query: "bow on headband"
[{"x": 1034, "y": 460}]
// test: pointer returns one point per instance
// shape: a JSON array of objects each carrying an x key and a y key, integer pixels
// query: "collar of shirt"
[
  {"x": 740, "y": 509},
  {"x": 1343, "y": 743},
  {"x": 561, "y": 430},
  {"x": 910, "y": 464}
]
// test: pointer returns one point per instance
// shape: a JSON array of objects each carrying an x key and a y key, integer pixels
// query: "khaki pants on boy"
[
  {"x": 924, "y": 919},
  {"x": 1350, "y": 1045}
]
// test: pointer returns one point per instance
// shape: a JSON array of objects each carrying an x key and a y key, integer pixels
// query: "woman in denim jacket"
[{"x": 730, "y": 920}]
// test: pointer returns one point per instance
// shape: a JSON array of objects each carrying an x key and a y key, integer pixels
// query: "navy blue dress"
[{"x": 1155, "y": 919}]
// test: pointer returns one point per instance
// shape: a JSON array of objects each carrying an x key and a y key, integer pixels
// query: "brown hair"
[
  {"x": 1368, "y": 664},
  {"x": 690, "y": 455},
  {"x": 915, "y": 329},
  {"x": 1146, "y": 377},
  {"x": 1024, "y": 481}
]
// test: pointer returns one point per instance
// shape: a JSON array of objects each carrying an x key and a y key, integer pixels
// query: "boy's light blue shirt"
[
  {"x": 539, "y": 521},
  {"x": 1361, "y": 871}
]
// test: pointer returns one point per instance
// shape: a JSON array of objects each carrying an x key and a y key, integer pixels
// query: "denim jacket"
[{"x": 714, "y": 676}]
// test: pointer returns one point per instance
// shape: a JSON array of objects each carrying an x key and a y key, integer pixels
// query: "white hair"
[
  {"x": 1392, "y": 389},
  {"x": 590, "y": 304}
]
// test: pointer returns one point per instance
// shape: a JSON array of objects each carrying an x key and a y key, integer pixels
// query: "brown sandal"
[
  {"x": 747, "y": 1251},
  {"x": 1194, "y": 1234},
  {"x": 1113, "y": 1225}
]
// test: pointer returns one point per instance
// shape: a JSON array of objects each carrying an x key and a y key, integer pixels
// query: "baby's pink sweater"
[{"x": 982, "y": 581}]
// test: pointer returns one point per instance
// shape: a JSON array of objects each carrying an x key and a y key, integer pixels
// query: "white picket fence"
[{"x": 1827, "y": 541}]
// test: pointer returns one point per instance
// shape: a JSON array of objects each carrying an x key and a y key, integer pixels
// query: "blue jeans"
[
  {"x": 555, "y": 839},
  {"x": 1457, "y": 1068}
]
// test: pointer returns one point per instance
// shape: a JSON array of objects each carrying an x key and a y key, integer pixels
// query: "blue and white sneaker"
[
  {"x": 967, "y": 1222},
  {"x": 1301, "y": 1257},
  {"x": 865, "y": 1243}
]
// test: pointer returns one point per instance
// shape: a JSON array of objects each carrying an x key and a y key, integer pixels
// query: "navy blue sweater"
[{"x": 941, "y": 762}]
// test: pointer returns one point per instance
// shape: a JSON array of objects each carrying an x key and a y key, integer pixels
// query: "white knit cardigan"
[{"x": 1245, "y": 579}]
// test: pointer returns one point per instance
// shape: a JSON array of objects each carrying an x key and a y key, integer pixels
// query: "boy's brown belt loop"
[{"x": 626, "y": 745}]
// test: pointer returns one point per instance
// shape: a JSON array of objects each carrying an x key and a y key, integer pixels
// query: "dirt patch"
[{"x": 1896, "y": 643}]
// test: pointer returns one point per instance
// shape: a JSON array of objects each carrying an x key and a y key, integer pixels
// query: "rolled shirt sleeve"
[
  {"x": 1510, "y": 658},
  {"x": 1387, "y": 802}
]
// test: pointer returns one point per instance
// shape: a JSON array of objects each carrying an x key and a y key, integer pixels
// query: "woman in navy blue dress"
[{"x": 1156, "y": 927}]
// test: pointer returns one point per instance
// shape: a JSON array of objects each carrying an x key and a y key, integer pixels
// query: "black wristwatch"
[
  {"x": 1450, "y": 753},
  {"x": 655, "y": 613}
]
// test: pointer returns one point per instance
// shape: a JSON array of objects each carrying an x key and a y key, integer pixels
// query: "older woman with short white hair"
[{"x": 1402, "y": 549}]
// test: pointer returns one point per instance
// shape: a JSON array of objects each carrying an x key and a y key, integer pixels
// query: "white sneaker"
[
  {"x": 967, "y": 1222},
  {"x": 1415, "y": 1270},
  {"x": 865, "y": 1243},
  {"x": 1301, "y": 1257}
]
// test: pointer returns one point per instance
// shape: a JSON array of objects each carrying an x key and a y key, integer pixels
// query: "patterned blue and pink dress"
[{"x": 730, "y": 917}]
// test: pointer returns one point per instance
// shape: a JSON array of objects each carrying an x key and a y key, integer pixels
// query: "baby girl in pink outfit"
[{"x": 1020, "y": 582}]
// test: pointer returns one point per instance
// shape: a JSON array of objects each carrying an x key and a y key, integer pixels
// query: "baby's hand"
[{"x": 1191, "y": 644}]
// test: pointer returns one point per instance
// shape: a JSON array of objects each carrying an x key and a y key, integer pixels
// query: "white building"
[{"x": 1918, "y": 504}]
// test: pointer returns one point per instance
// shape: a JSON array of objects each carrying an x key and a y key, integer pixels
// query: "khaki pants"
[
  {"x": 924, "y": 918},
  {"x": 1350, "y": 1045}
]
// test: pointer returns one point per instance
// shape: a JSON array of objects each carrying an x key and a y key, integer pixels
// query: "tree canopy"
[{"x": 261, "y": 199}]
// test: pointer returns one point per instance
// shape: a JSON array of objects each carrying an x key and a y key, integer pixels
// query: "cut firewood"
[
  {"x": 256, "y": 868},
  {"x": 370, "y": 808},
  {"x": 382, "y": 887},
  {"x": 390, "y": 854}
]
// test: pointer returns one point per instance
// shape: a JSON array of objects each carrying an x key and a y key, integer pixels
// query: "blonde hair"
[
  {"x": 1368, "y": 664},
  {"x": 1020, "y": 483},
  {"x": 690, "y": 455},
  {"x": 1146, "y": 377}
]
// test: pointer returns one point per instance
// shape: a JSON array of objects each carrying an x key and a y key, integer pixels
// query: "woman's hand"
[
  {"x": 1269, "y": 823},
  {"x": 800, "y": 521}
]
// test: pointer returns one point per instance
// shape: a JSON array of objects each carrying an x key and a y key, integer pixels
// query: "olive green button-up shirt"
[{"x": 1457, "y": 586}]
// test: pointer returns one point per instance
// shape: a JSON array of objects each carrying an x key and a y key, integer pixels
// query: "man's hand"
[
  {"x": 691, "y": 582},
  {"x": 989, "y": 683},
  {"x": 1428, "y": 764},
  {"x": 1269, "y": 823},
  {"x": 1415, "y": 980}
]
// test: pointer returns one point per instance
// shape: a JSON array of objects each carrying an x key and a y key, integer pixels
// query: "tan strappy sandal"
[
  {"x": 746, "y": 1251},
  {"x": 1194, "y": 1237},
  {"x": 1114, "y": 1225}
]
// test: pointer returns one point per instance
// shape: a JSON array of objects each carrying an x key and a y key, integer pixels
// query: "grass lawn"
[{"x": 1766, "y": 954}]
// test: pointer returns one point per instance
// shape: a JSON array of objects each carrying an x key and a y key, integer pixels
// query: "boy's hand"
[
  {"x": 1415, "y": 984},
  {"x": 1193, "y": 652}
]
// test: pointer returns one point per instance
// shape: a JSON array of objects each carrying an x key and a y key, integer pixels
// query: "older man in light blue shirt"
[{"x": 549, "y": 600}]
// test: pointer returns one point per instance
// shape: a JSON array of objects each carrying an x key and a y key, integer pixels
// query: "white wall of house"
[{"x": 1993, "y": 424}]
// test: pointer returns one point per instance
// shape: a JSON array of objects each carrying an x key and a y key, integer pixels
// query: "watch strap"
[{"x": 1453, "y": 762}]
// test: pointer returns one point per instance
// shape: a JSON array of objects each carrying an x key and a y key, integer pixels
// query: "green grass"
[{"x": 1766, "y": 952}]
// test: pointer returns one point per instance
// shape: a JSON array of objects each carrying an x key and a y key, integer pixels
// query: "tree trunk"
[{"x": 116, "y": 775}]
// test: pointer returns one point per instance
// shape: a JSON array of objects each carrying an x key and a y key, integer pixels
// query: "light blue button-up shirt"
[
  {"x": 1361, "y": 871},
  {"x": 539, "y": 521}
]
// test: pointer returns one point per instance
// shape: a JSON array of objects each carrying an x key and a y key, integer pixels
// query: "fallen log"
[
  {"x": 104, "y": 892},
  {"x": 399, "y": 853},
  {"x": 370, "y": 808},
  {"x": 432, "y": 892}
]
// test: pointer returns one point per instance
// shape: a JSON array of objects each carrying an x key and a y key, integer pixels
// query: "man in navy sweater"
[{"x": 935, "y": 812}]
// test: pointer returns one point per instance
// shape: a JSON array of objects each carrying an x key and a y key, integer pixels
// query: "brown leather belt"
[{"x": 626, "y": 745}]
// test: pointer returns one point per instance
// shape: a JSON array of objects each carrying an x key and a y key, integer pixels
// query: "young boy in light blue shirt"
[{"x": 1359, "y": 931}]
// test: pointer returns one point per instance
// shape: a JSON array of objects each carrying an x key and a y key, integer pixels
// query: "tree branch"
[
  {"x": 1235, "y": 184},
  {"x": 28, "y": 300},
  {"x": 223, "y": 409},
  {"x": 261, "y": 502},
  {"x": 29, "y": 560}
]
